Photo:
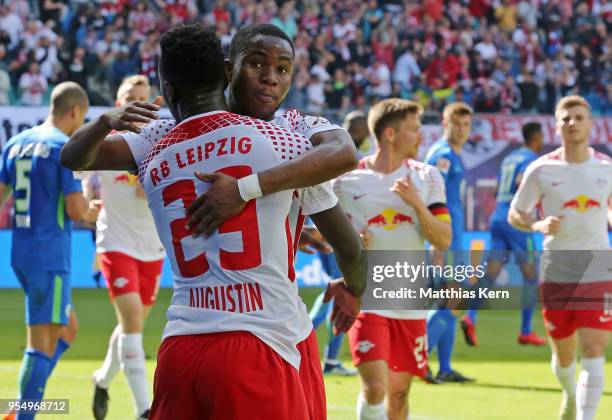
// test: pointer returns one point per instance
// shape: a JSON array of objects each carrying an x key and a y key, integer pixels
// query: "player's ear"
[
  {"x": 389, "y": 134},
  {"x": 170, "y": 92},
  {"x": 229, "y": 67}
]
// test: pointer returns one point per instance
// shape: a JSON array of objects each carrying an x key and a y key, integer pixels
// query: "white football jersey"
[
  {"x": 577, "y": 192},
  {"x": 125, "y": 223},
  {"x": 241, "y": 278},
  {"x": 393, "y": 225},
  {"x": 306, "y": 201}
]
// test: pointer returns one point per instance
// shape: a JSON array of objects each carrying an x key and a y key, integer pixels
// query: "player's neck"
[
  {"x": 385, "y": 161},
  {"x": 60, "y": 124},
  {"x": 455, "y": 146},
  {"x": 200, "y": 103},
  {"x": 577, "y": 152}
]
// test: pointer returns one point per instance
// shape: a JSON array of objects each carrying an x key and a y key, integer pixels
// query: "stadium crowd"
[{"x": 503, "y": 56}]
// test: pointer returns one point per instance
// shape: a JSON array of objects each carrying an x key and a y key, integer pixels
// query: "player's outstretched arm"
[
  {"x": 79, "y": 208},
  {"x": 346, "y": 242},
  {"x": 347, "y": 245},
  {"x": 333, "y": 154},
  {"x": 91, "y": 147}
]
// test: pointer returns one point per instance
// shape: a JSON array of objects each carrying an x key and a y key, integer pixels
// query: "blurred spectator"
[
  {"x": 5, "y": 87},
  {"x": 379, "y": 79},
  {"x": 33, "y": 86},
  {"x": 286, "y": 20},
  {"x": 435, "y": 50},
  {"x": 506, "y": 14},
  {"x": 529, "y": 93},
  {"x": 12, "y": 24},
  {"x": 315, "y": 94}
]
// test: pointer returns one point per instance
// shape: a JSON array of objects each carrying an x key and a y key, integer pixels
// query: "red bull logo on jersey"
[
  {"x": 390, "y": 219},
  {"x": 581, "y": 203},
  {"x": 126, "y": 178}
]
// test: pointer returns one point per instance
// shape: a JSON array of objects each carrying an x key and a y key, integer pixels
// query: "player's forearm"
[
  {"x": 333, "y": 156},
  {"x": 5, "y": 193},
  {"x": 80, "y": 152},
  {"x": 521, "y": 220},
  {"x": 437, "y": 232},
  {"x": 346, "y": 243}
]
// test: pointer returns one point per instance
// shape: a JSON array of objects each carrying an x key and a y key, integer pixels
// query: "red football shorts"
[
  {"x": 124, "y": 274},
  {"x": 235, "y": 376},
  {"x": 568, "y": 307},
  {"x": 402, "y": 343}
]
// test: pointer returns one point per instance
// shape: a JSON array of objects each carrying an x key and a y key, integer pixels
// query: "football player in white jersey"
[
  {"x": 235, "y": 298},
  {"x": 400, "y": 203},
  {"x": 572, "y": 188},
  {"x": 131, "y": 257}
]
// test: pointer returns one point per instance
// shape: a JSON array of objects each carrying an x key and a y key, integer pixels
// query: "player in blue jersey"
[
  {"x": 505, "y": 238},
  {"x": 444, "y": 155},
  {"x": 46, "y": 198}
]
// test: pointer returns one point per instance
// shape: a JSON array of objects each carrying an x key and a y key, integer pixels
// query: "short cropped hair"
[
  {"x": 191, "y": 55},
  {"x": 130, "y": 81},
  {"x": 529, "y": 129},
  {"x": 389, "y": 112},
  {"x": 244, "y": 36},
  {"x": 354, "y": 117},
  {"x": 456, "y": 108},
  {"x": 66, "y": 96},
  {"x": 572, "y": 101}
]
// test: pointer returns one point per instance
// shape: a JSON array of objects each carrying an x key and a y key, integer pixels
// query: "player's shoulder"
[
  {"x": 554, "y": 158},
  {"x": 602, "y": 158},
  {"x": 295, "y": 120}
]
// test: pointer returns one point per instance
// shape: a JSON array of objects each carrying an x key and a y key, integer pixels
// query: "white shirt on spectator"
[
  {"x": 32, "y": 86},
  {"x": 345, "y": 31},
  {"x": 382, "y": 76},
  {"x": 486, "y": 50},
  {"x": 12, "y": 25},
  {"x": 5, "y": 86},
  {"x": 405, "y": 69},
  {"x": 315, "y": 92},
  {"x": 320, "y": 71}
]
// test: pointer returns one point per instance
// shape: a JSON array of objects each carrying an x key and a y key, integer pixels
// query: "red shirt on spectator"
[
  {"x": 479, "y": 8},
  {"x": 434, "y": 9}
]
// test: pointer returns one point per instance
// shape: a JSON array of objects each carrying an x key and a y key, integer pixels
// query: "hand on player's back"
[
  {"x": 219, "y": 203},
  {"x": 130, "y": 116},
  {"x": 346, "y": 305}
]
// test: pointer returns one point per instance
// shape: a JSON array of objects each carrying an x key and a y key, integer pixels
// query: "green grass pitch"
[{"x": 514, "y": 382}]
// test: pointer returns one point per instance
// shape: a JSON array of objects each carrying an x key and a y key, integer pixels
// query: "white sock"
[
  {"x": 566, "y": 376},
  {"x": 590, "y": 387},
  {"x": 367, "y": 411},
  {"x": 132, "y": 359},
  {"x": 110, "y": 368}
]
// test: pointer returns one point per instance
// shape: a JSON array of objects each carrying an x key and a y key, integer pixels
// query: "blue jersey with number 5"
[
  {"x": 41, "y": 229},
  {"x": 509, "y": 178}
]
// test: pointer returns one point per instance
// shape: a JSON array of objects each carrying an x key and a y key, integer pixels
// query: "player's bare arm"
[
  {"x": 333, "y": 155},
  {"x": 524, "y": 221},
  {"x": 437, "y": 232},
  {"x": 79, "y": 208},
  {"x": 91, "y": 147},
  {"x": 348, "y": 247},
  {"x": 5, "y": 193},
  {"x": 346, "y": 243}
]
